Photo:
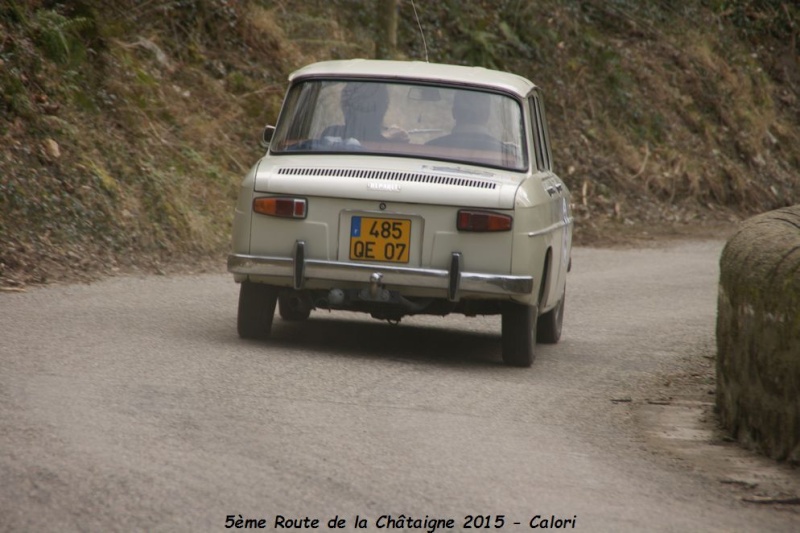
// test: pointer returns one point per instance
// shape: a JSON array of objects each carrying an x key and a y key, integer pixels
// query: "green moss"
[{"x": 104, "y": 179}]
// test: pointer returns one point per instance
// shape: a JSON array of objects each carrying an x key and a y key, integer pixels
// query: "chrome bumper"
[{"x": 451, "y": 282}]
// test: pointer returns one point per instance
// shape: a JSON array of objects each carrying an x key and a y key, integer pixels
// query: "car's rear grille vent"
[{"x": 388, "y": 175}]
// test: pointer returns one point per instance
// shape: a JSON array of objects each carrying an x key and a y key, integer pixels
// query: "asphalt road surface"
[{"x": 131, "y": 405}]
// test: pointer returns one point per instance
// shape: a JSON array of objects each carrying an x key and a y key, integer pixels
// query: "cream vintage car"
[{"x": 401, "y": 188}]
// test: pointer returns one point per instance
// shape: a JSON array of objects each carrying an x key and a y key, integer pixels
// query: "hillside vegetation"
[{"x": 127, "y": 125}]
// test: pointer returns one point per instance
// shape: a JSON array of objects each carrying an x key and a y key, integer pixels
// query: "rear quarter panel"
[{"x": 540, "y": 225}]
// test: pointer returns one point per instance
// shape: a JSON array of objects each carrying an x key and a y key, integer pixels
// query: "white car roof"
[{"x": 417, "y": 70}]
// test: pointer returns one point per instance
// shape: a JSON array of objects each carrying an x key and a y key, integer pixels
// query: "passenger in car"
[
  {"x": 364, "y": 106},
  {"x": 471, "y": 111}
]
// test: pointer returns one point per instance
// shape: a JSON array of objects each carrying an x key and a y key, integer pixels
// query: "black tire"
[
  {"x": 548, "y": 328},
  {"x": 292, "y": 308},
  {"x": 519, "y": 334},
  {"x": 256, "y": 310}
]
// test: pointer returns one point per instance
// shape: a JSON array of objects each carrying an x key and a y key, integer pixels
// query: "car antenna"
[{"x": 421, "y": 33}]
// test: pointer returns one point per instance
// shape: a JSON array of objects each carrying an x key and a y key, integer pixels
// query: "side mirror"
[{"x": 266, "y": 136}]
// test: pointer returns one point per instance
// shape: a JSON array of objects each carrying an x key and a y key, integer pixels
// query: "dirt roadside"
[{"x": 677, "y": 421}]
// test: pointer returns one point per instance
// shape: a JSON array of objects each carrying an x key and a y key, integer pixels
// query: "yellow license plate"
[{"x": 380, "y": 239}]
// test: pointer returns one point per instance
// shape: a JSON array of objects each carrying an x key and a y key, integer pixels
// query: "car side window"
[{"x": 540, "y": 135}]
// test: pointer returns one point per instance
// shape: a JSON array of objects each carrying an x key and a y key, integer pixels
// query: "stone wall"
[{"x": 758, "y": 334}]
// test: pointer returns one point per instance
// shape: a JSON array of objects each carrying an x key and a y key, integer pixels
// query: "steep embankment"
[{"x": 126, "y": 126}]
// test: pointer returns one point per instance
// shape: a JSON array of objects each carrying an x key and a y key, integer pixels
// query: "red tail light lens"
[
  {"x": 481, "y": 221},
  {"x": 281, "y": 207}
]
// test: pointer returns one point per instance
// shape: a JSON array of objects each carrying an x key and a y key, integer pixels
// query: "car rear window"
[{"x": 386, "y": 118}]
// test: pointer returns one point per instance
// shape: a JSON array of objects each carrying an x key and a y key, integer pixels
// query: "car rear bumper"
[{"x": 453, "y": 282}]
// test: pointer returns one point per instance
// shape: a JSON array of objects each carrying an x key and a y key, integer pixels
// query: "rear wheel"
[
  {"x": 293, "y": 308},
  {"x": 548, "y": 329},
  {"x": 256, "y": 310},
  {"x": 519, "y": 334}
]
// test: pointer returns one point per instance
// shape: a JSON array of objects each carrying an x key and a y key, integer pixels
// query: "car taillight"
[
  {"x": 482, "y": 221},
  {"x": 281, "y": 207}
]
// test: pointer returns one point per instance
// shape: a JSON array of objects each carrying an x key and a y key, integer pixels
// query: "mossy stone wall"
[{"x": 758, "y": 334}]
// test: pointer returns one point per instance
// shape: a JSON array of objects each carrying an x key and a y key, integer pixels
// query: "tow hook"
[{"x": 375, "y": 284}]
